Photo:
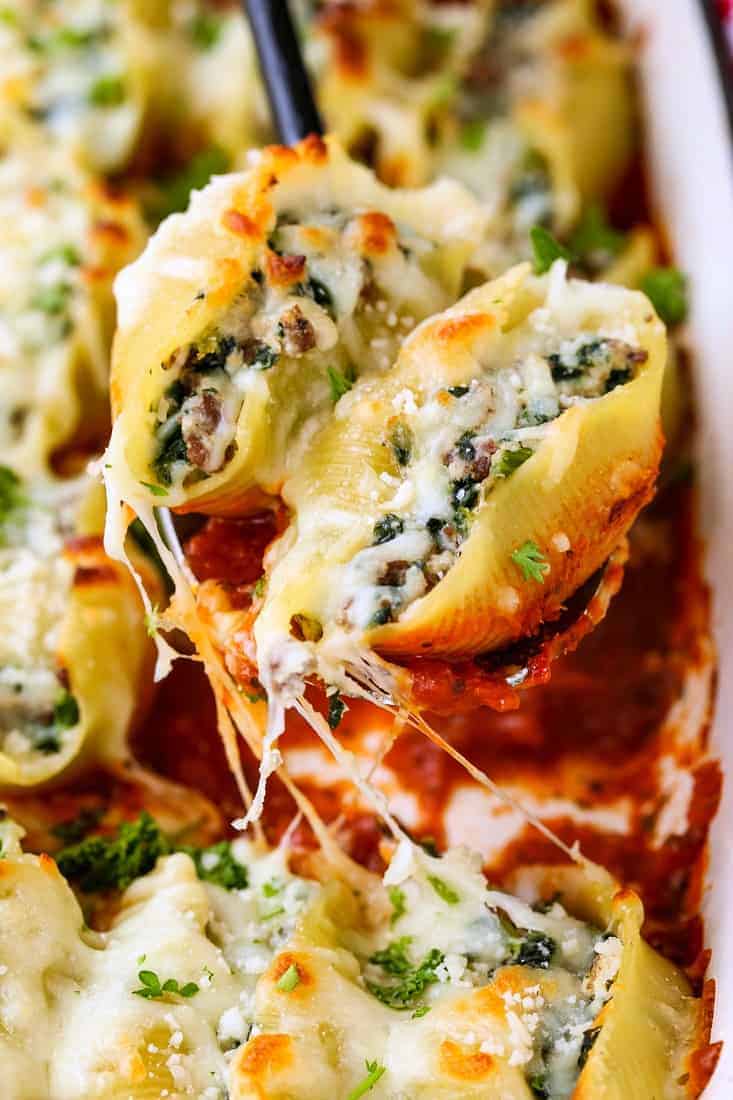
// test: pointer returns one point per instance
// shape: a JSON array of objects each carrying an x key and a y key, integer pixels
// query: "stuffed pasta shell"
[
  {"x": 453, "y": 506},
  {"x": 536, "y": 119},
  {"x": 385, "y": 73},
  {"x": 75, "y": 659},
  {"x": 222, "y": 972},
  {"x": 450, "y": 988},
  {"x": 63, "y": 236},
  {"x": 247, "y": 317},
  {"x": 542, "y": 122},
  {"x": 83, "y": 70}
]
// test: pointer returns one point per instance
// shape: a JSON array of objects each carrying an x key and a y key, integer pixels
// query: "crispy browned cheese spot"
[{"x": 465, "y": 1065}]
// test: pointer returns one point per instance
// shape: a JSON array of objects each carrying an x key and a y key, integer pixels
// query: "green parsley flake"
[
  {"x": 511, "y": 460},
  {"x": 112, "y": 863},
  {"x": 546, "y": 250},
  {"x": 472, "y": 135},
  {"x": 374, "y": 1072},
  {"x": 65, "y": 711},
  {"x": 151, "y": 988},
  {"x": 399, "y": 905},
  {"x": 409, "y": 981},
  {"x": 217, "y": 864},
  {"x": 339, "y": 383},
  {"x": 666, "y": 288},
  {"x": 156, "y": 490},
  {"x": 12, "y": 496},
  {"x": 287, "y": 982},
  {"x": 205, "y": 30},
  {"x": 529, "y": 558},
  {"x": 443, "y": 890},
  {"x": 107, "y": 91},
  {"x": 594, "y": 235}
]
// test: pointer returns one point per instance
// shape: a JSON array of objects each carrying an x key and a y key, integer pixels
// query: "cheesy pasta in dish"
[
  {"x": 75, "y": 659},
  {"x": 384, "y": 405},
  {"x": 246, "y": 318},
  {"x": 527, "y": 103},
  {"x": 110, "y": 79},
  {"x": 449, "y": 487},
  {"x": 220, "y": 972},
  {"x": 63, "y": 237}
]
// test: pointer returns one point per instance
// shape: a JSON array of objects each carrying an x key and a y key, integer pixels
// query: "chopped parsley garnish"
[
  {"x": 107, "y": 91},
  {"x": 472, "y": 135},
  {"x": 394, "y": 959},
  {"x": 387, "y": 528},
  {"x": 589, "y": 1038},
  {"x": 511, "y": 460},
  {"x": 458, "y": 391},
  {"x": 288, "y": 981},
  {"x": 112, "y": 863},
  {"x": 12, "y": 495},
  {"x": 443, "y": 890},
  {"x": 156, "y": 490},
  {"x": 410, "y": 981},
  {"x": 217, "y": 864},
  {"x": 100, "y": 863},
  {"x": 65, "y": 711},
  {"x": 336, "y": 709},
  {"x": 174, "y": 192},
  {"x": 539, "y": 1085},
  {"x": 65, "y": 252},
  {"x": 529, "y": 558},
  {"x": 546, "y": 249},
  {"x": 205, "y": 30},
  {"x": 399, "y": 905},
  {"x": 260, "y": 585},
  {"x": 271, "y": 889},
  {"x": 421, "y": 1010},
  {"x": 595, "y": 238},
  {"x": 374, "y": 1072},
  {"x": 52, "y": 299},
  {"x": 666, "y": 288},
  {"x": 339, "y": 383},
  {"x": 152, "y": 989},
  {"x": 76, "y": 828}
]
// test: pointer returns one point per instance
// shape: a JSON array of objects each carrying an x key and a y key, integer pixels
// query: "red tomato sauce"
[{"x": 592, "y": 734}]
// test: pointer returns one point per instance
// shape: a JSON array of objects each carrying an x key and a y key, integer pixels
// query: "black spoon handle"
[{"x": 293, "y": 107}]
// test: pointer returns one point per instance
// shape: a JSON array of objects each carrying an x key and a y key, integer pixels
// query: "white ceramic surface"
[{"x": 691, "y": 153}]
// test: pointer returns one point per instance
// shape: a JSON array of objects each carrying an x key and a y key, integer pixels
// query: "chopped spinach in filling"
[
  {"x": 321, "y": 294},
  {"x": 552, "y": 973},
  {"x": 505, "y": 416}
]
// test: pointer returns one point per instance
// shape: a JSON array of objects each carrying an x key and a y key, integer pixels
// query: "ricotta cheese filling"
[
  {"x": 455, "y": 448},
  {"x": 319, "y": 305}
]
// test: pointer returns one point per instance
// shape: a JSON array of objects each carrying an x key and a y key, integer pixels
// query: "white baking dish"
[{"x": 690, "y": 145}]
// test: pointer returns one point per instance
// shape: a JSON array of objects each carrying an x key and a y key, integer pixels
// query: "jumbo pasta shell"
[
  {"x": 83, "y": 623},
  {"x": 301, "y": 263},
  {"x": 568, "y": 497}
]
